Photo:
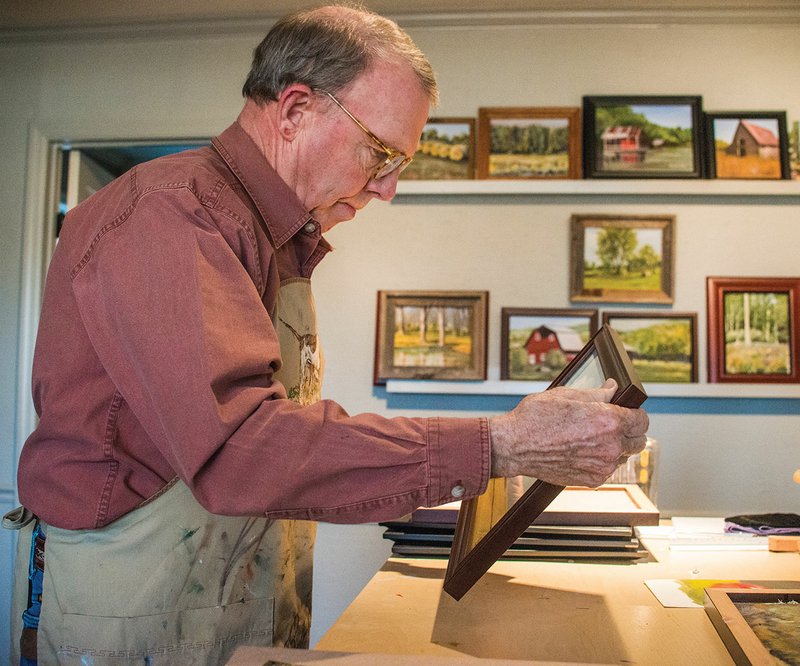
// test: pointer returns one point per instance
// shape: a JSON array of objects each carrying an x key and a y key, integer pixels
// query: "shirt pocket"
[{"x": 193, "y": 636}]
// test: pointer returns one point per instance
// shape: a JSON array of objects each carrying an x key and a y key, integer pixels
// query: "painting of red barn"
[
  {"x": 748, "y": 145},
  {"x": 642, "y": 137},
  {"x": 537, "y": 343}
]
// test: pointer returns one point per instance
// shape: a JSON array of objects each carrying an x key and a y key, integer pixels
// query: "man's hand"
[{"x": 567, "y": 436}]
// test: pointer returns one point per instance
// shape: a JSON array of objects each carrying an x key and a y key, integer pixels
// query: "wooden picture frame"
[
  {"x": 753, "y": 329},
  {"x": 529, "y": 142},
  {"x": 747, "y": 145},
  {"x": 446, "y": 151},
  {"x": 537, "y": 343},
  {"x": 645, "y": 136},
  {"x": 486, "y": 528},
  {"x": 729, "y": 609},
  {"x": 662, "y": 345},
  {"x": 431, "y": 335},
  {"x": 622, "y": 258}
]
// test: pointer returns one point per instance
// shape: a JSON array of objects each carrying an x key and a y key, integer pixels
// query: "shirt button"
[
  {"x": 310, "y": 227},
  {"x": 458, "y": 491}
]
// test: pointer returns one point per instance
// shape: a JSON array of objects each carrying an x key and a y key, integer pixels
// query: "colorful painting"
[
  {"x": 536, "y": 344},
  {"x": 623, "y": 259},
  {"x": 536, "y": 142},
  {"x": 750, "y": 146},
  {"x": 752, "y": 329},
  {"x": 446, "y": 151},
  {"x": 661, "y": 346},
  {"x": 642, "y": 137},
  {"x": 431, "y": 335},
  {"x": 757, "y": 333}
]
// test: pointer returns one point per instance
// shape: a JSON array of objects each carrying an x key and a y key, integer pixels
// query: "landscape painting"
[
  {"x": 748, "y": 146},
  {"x": 623, "y": 259},
  {"x": 537, "y": 142},
  {"x": 757, "y": 333},
  {"x": 431, "y": 335},
  {"x": 753, "y": 329},
  {"x": 642, "y": 137},
  {"x": 661, "y": 346},
  {"x": 536, "y": 344},
  {"x": 446, "y": 151}
]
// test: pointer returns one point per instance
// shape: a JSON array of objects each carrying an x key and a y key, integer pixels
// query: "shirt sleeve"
[{"x": 179, "y": 326}]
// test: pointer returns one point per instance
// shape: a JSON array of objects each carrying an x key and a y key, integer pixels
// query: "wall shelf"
[
  {"x": 520, "y": 388},
  {"x": 732, "y": 189}
]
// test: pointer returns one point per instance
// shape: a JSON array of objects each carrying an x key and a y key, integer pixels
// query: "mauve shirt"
[{"x": 155, "y": 355}]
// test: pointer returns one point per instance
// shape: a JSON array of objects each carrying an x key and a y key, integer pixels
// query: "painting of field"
[
  {"x": 529, "y": 148},
  {"x": 746, "y": 148},
  {"x": 444, "y": 153},
  {"x": 661, "y": 348},
  {"x": 432, "y": 336},
  {"x": 757, "y": 333},
  {"x": 625, "y": 259}
]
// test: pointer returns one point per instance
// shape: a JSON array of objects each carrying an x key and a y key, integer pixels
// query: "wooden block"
[{"x": 784, "y": 544}]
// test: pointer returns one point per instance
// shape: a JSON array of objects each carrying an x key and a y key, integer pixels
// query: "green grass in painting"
[{"x": 595, "y": 279}]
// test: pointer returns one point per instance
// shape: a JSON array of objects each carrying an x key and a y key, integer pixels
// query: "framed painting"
[
  {"x": 794, "y": 151},
  {"x": 642, "y": 137},
  {"x": 753, "y": 329},
  {"x": 529, "y": 142},
  {"x": 536, "y": 343},
  {"x": 758, "y": 626},
  {"x": 487, "y": 527},
  {"x": 661, "y": 345},
  {"x": 747, "y": 145},
  {"x": 446, "y": 151},
  {"x": 622, "y": 258},
  {"x": 431, "y": 335}
]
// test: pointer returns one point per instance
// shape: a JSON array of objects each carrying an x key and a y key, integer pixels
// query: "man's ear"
[{"x": 294, "y": 104}]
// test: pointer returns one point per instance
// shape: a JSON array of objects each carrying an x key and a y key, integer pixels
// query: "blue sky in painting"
[{"x": 667, "y": 115}]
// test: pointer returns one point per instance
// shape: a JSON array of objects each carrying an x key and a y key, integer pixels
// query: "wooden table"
[{"x": 549, "y": 611}]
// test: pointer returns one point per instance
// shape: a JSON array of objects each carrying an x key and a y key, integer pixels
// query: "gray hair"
[{"x": 327, "y": 48}]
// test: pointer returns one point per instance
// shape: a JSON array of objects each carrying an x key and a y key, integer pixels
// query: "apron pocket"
[{"x": 193, "y": 636}]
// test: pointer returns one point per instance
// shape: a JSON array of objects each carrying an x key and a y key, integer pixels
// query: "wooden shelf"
[
  {"x": 506, "y": 387},
  {"x": 607, "y": 187}
]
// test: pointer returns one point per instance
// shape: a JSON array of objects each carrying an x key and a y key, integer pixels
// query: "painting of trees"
[
  {"x": 622, "y": 258},
  {"x": 757, "y": 333}
]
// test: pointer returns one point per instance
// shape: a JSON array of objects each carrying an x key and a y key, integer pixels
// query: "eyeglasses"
[{"x": 395, "y": 160}]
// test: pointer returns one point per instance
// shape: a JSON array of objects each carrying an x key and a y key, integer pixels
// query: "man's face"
[{"x": 343, "y": 160}]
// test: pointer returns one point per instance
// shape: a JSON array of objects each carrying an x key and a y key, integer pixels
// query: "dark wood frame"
[
  {"x": 591, "y": 153},
  {"x": 716, "y": 289},
  {"x": 783, "y": 140},
  {"x": 609, "y": 316},
  {"x": 569, "y": 113},
  {"x": 579, "y": 225},
  {"x": 473, "y": 554},
  {"x": 470, "y": 122},
  {"x": 743, "y": 644},
  {"x": 478, "y": 301},
  {"x": 505, "y": 320}
]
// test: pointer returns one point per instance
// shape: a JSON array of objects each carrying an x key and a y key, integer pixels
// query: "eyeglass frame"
[{"x": 391, "y": 163}]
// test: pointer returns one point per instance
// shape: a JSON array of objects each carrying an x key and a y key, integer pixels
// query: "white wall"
[{"x": 714, "y": 458}]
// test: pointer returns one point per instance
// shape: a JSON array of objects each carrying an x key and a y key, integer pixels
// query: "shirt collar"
[{"x": 281, "y": 210}]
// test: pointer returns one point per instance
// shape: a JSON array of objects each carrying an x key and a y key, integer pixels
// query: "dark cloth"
[{"x": 764, "y": 523}]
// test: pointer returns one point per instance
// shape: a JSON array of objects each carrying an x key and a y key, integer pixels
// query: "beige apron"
[{"x": 170, "y": 583}]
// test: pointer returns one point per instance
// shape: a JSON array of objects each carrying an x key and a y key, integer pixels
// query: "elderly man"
[{"x": 182, "y": 451}]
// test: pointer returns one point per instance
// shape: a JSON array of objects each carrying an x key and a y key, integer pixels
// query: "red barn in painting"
[
  {"x": 750, "y": 139},
  {"x": 623, "y": 144},
  {"x": 543, "y": 340}
]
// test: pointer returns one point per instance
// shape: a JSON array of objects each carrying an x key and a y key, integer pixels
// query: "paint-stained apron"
[{"x": 170, "y": 583}]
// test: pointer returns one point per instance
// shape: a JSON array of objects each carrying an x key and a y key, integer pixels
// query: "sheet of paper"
[{"x": 688, "y": 592}]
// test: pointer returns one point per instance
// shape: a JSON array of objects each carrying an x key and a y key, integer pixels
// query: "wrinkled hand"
[{"x": 567, "y": 436}]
